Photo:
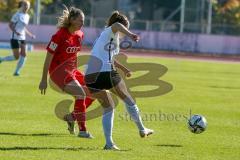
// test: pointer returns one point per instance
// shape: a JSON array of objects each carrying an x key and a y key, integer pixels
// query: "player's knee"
[
  {"x": 16, "y": 57},
  {"x": 105, "y": 102},
  {"x": 80, "y": 96},
  {"x": 23, "y": 54},
  {"x": 129, "y": 101},
  {"x": 108, "y": 108}
]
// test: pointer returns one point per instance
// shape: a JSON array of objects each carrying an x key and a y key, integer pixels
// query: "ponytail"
[
  {"x": 20, "y": 3},
  {"x": 118, "y": 17}
]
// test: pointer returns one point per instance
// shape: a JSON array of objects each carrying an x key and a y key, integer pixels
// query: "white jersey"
[
  {"x": 20, "y": 21},
  {"x": 104, "y": 49}
]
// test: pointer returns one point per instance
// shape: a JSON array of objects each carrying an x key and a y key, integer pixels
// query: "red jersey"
[{"x": 64, "y": 47}]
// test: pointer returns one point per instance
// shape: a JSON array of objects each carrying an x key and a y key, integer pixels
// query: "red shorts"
[{"x": 61, "y": 78}]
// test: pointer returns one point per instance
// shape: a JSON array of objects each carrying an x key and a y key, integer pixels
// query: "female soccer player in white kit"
[
  {"x": 101, "y": 75},
  {"x": 18, "y": 25}
]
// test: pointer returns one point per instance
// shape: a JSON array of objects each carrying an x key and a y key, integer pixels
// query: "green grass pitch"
[{"x": 29, "y": 128}]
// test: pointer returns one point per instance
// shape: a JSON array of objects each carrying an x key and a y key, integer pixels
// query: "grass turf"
[{"x": 29, "y": 128}]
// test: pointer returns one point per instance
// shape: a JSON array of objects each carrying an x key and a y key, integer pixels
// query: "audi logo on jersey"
[{"x": 73, "y": 49}]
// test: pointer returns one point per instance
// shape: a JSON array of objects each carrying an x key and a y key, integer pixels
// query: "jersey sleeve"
[
  {"x": 54, "y": 43},
  {"x": 15, "y": 18}
]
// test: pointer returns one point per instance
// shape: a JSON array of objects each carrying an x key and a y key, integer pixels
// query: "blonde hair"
[
  {"x": 118, "y": 17},
  {"x": 67, "y": 16},
  {"x": 20, "y": 3}
]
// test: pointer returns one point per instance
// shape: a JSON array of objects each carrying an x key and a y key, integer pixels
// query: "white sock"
[
  {"x": 8, "y": 58},
  {"x": 20, "y": 64},
  {"x": 134, "y": 112},
  {"x": 107, "y": 121}
]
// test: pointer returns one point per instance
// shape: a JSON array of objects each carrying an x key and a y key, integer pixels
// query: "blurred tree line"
[
  {"x": 224, "y": 11},
  {"x": 49, "y": 7},
  {"x": 57, "y": 6},
  {"x": 227, "y": 12}
]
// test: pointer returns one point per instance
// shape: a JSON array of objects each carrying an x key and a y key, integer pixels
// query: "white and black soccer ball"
[{"x": 197, "y": 124}]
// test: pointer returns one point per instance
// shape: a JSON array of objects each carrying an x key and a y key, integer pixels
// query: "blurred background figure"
[{"x": 18, "y": 24}]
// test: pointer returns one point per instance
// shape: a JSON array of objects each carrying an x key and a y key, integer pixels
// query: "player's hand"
[
  {"x": 128, "y": 74},
  {"x": 18, "y": 33},
  {"x": 43, "y": 87},
  {"x": 135, "y": 37},
  {"x": 33, "y": 36}
]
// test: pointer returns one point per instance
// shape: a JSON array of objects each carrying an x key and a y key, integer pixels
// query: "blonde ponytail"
[
  {"x": 68, "y": 14},
  {"x": 63, "y": 19}
]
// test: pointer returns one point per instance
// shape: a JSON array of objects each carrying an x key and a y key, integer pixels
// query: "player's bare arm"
[
  {"x": 126, "y": 71},
  {"x": 12, "y": 27},
  {"x": 43, "y": 83},
  {"x": 118, "y": 27},
  {"x": 30, "y": 34}
]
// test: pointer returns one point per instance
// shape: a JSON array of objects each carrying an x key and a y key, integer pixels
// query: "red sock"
[
  {"x": 79, "y": 114},
  {"x": 88, "y": 101}
]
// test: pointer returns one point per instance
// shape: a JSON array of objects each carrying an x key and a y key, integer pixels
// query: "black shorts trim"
[
  {"x": 102, "y": 80},
  {"x": 16, "y": 43}
]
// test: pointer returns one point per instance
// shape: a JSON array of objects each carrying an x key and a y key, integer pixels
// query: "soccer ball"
[{"x": 197, "y": 124}]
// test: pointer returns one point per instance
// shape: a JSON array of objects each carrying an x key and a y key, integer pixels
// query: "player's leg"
[
  {"x": 88, "y": 102},
  {"x": 79, "y": 115},
  {"x": 107, "y": 102},
  {"x": 75, "y": 89},
  {"x": 16, "y": 52},
  {"x": 82, "y": 116},
  {"x": 121, "y": 90},
  {"x": 79, "y": 112},
  {"x": 97, "y": 84},
  {"x": 22, "y": 58}
]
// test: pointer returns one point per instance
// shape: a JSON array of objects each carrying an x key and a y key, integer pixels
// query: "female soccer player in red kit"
[{"x": 61, "y": 63}]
